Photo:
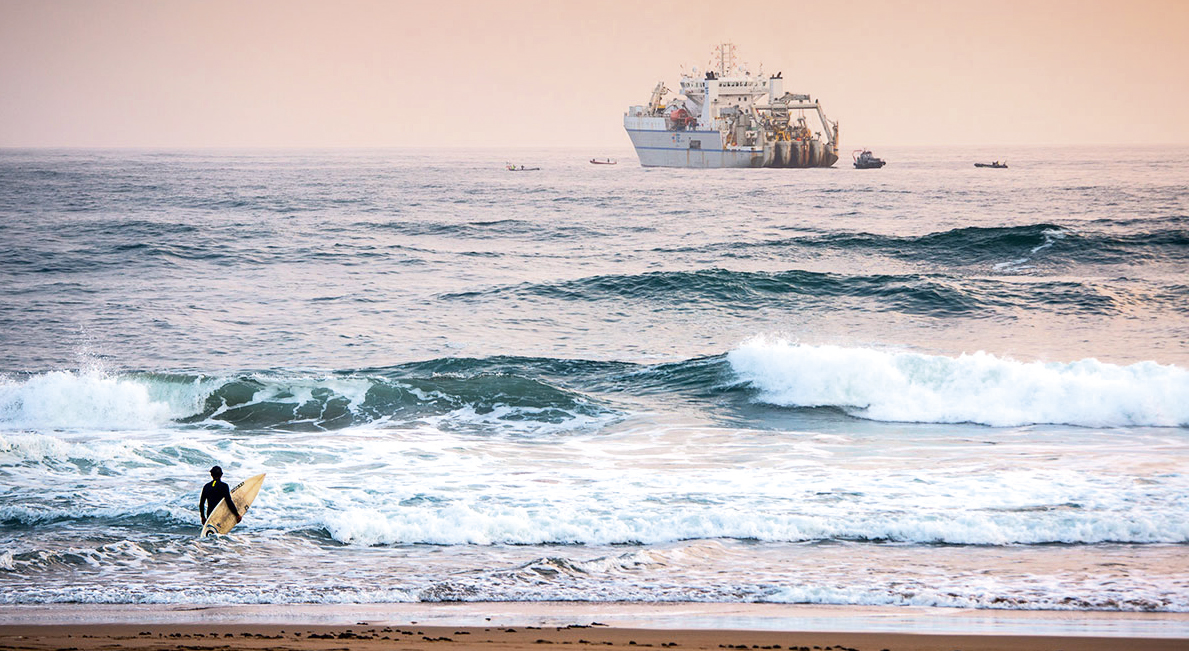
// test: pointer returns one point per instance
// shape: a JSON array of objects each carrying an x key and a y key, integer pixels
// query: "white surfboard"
[{"x": 220, "y": 520}]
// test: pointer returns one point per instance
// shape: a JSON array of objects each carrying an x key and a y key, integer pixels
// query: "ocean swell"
[{"x": 923, "y": 294}]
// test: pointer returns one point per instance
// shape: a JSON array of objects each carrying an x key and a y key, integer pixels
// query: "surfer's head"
[{"x": 216, "y": 472}]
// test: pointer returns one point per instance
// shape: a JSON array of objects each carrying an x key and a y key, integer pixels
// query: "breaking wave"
[
  {"x": 67, "y": 399},
  {"x": 971, "y": 388},
  {"x": 552, "y": 524},
  {"x": 479, "y": 389},
  {"x": 547, "y": 394}
]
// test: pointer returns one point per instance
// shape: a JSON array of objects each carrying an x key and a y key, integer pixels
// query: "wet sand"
[
  {"x": 519, "y": 625},
  {"x": 192, "y": 637}
]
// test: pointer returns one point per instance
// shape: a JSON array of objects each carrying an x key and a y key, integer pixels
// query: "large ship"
[{"x": 730, "y": 118}]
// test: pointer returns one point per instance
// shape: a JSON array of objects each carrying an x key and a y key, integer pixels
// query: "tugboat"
[
  {"x": 996, "y": 165},
  {"x": 865, "y": 160}
]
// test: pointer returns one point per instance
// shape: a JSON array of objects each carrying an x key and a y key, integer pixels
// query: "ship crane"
[
  {"x": 795, "y": 102},
  {"x": 658, "y": 93}
]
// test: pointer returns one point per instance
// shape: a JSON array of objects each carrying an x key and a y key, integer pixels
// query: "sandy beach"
[
  {"x": 503, "y": 626},
  {"x": 86, "y": 637}
]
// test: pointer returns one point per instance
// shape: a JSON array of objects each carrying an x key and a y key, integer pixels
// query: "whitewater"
[{"x": 926, "y": 385}]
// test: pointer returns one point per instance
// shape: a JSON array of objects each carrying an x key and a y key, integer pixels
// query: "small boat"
[
  {"x": 520, "y": 168},
  {"x": 605, "y": 161},
  {"x": 996, "y": 165},
  {"x": 865, "y": 160}
]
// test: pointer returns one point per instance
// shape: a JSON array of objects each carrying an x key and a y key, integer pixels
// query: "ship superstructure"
[{"x": 728, "y": 117}]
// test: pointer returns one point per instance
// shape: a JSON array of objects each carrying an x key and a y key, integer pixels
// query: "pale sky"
[{"x": 456, "y": 73}]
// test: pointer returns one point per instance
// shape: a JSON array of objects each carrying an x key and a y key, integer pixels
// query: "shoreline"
[
  {"x": 668, "y": 616},
  {"x": 367, "y": 637}
]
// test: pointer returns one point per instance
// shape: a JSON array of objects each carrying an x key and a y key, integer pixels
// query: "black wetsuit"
[{"x": 212, "y": 494}]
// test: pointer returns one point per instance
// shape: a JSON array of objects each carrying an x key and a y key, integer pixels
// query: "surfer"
[{"x": 215, "y": 492}]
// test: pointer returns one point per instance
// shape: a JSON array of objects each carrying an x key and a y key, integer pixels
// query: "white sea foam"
[
  {"x": 1051, "y": 235},
  {"x": 975, "y": 388},
  {"x": 476, "y": 525},
  {"x": 149, "y": 594},
  {"x": 17, "y": 448},
  {"x": 1001, "y": 597},
  {"x": 88, "y": 399},
  {"x": 522, "y": 420}
]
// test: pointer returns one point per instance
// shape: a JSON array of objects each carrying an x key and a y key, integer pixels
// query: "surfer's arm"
[
  {"x": 202, "y": 505},
  {"x": 231, "y": 505}
]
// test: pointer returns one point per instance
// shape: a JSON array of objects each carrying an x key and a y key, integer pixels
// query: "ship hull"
[
  {"x": 704, "y": 149},
  {"x": 699, "y": 149}
]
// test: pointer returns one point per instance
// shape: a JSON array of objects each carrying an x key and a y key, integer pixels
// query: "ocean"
[{"x": 925, "y": 385}]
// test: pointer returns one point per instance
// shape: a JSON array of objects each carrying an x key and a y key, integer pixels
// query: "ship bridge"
[{"x": 725, "y": 84}]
